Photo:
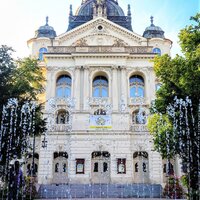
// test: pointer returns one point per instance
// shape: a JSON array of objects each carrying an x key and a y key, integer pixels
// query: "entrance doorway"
[
  {"x": 141, "y": 167},
  {"x": 100, "y": 167},
  {"x": 60, "y": 168}
]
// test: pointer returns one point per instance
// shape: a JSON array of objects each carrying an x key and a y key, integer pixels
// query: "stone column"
[
  {"x": 86, "y": 88},
  {"x": 51, "y": 83},
  {"x": 76, "y": 89},
  {"x": 124, "y": 86},
  {"x": 115, "y": 88}
]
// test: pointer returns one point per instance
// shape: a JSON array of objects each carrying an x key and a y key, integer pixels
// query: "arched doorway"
[
  {"x": 60, "y": 168},
  {"x": 141, "y": 167},
  {"x": 100, "y": 167}
]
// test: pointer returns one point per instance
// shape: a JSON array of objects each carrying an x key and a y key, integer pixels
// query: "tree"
[
  {"x": 19, "y": 119},
  {"x": 178, "y": 100}
]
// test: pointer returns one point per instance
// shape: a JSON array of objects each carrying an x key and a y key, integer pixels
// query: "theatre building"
[{"x": 99, "y": 87}]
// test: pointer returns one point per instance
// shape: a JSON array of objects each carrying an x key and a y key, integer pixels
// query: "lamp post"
[{"x": 44, "y": 142}]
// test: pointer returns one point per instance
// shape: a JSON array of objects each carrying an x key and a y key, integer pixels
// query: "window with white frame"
[
  {"x": 136, "y": 84},
  {"x": 100, "y": 86},
  {"x": 157, "y": 51},
  {"x": 63, "y": 86},
  {"x": 62, "y": 117},
  {"x": 41, "y": 52},
  {"x": 139, "y": 117}
]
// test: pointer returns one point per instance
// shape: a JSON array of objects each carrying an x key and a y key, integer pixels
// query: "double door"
[
  {"x": 100, "y": 170},
  {"x": 60, "y": 174}
]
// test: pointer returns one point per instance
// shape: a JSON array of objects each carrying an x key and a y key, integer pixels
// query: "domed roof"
[
  {"x": 104, "y": 8},
  {"x": 86, "y": 8},
  {"x": 45, "y": 31},
  {"x": 153, "y": 31}
]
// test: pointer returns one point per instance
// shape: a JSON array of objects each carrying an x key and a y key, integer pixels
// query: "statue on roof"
[{"x": 99, "y": 8}]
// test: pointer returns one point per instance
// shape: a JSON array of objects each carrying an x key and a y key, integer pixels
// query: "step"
[{"x": 100, "y": 191}]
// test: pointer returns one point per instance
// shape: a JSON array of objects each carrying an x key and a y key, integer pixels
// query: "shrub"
[{"x": 173, "y": 189}]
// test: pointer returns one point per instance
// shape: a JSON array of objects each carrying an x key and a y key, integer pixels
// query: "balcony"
[
  {"x": 99, "y": 101},
  {"x": 64, "y": 101},
  {"x": 139, "y": 128},
  {"x": 137, "y": 101},
  {"x": 60, "y": 128}
]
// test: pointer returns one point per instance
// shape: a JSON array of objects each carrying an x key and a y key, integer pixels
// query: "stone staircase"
[{"x": 100, "y": 191}]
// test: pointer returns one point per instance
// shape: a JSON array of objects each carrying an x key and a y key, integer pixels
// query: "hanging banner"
[{"x": 100, "y": 121}]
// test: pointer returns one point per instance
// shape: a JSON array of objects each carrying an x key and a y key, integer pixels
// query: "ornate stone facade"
[{"x": 100, "y": 84}]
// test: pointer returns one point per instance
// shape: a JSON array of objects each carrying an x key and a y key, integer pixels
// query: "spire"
[
  {"x": 129, "y": 10},
  {"x": 151, "y": 20},
  {"x": 117, "y": 2},
  {"x": 47, "y": 20},
  {"x": 70, "y": 10}
]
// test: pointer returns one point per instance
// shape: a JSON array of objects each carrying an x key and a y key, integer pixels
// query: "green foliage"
[
  {"x": 23, "y": 80},
  {"x": 32, "y": 82},
  {"x": 180, "y": 78},
  {"x": 173, "y": 189},
  {"x": 162, "y": 131},
  {"x": 7, "y": 67},
  {"x": 30, "y": 187}
]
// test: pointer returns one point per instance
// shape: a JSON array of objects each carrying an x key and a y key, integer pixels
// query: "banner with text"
[{"x": 100, "y": 121}]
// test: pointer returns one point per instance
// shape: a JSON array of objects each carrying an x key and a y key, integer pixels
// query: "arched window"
[
  {"x": 136, "y": 84},
  {"x": 100, "y": 112},
  {"x": 100, "y": 87},
  {"x": 139, "y": 117},
  {"x": 157, "y": 51},
  {"x": 41, "y": 51},
  {"x": 63, "y": 86},
  {"x": 62, "y": 117}
]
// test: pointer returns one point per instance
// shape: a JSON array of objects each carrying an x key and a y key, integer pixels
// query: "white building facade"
[{"x": 99, "y": 86}]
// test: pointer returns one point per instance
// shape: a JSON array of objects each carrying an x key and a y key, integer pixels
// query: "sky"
[{"x": 19, "y": 19}]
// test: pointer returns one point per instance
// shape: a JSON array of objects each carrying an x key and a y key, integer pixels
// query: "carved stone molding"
[{"x": 80, "y": 42}]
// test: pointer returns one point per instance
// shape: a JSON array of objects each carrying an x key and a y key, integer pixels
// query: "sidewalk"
[{"x": 111, "y": 199}]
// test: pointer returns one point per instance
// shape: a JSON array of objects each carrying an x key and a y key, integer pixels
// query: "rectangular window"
[
  {"x": 80, "y": 166},
  {"x": 96, "y": 167},
  {"x": 121, "y": 165}
]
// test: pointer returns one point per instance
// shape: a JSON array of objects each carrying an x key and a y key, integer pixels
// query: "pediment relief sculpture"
[
  {"x": 119, "y": 43},
  {"x": 80, "y": 43}
]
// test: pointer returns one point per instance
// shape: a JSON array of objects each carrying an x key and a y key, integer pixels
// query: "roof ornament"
[
  {"x": 47, "y": 20},
  {"x": 151, "y": 20},
  {"x": 129, "y": 10},
  {"x": 99, "y": 8},
  {"x": 70, "y": 8}
]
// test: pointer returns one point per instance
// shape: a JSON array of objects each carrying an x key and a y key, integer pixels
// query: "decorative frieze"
[{"x": 100, "y": 49}]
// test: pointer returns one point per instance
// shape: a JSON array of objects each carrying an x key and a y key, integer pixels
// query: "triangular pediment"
[{"x": 99, "y": 32}]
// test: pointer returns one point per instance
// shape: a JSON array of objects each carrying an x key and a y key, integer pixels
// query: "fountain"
[{"x": 17, "y": 127}]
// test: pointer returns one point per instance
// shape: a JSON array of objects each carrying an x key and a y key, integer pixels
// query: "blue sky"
[{"x": 20, "y": 18}]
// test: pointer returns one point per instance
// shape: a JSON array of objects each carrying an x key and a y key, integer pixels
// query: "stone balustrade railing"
[
  {"x": 99, "y": 101},
  {"x": 137, "y": 101},
  {"x": 60, "y": 128},
  {"x": 139, "y": 128}
]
